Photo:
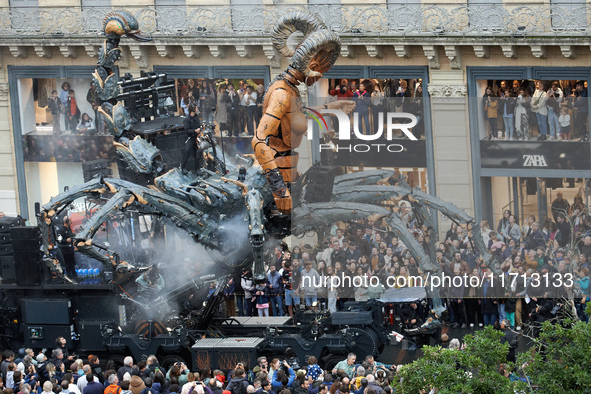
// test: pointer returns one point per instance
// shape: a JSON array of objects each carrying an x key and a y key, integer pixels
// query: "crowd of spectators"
[
  {"x": 558, "y": 110},
  {"x": 237, "y": 105},
  {"x": 34, "y": 373},
  {"x": 375, "y": 96},
  {"x": 364, "y": 250}
]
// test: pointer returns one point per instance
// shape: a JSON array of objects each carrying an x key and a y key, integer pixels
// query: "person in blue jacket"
[{"x": 280, "y": 380}]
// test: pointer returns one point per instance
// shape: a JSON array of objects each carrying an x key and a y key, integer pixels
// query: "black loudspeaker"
[
  {"x": 320, "y": 184},
  {"x": 28, "y": 268},
  {"x": 91, "y": 334},
  {"x": 8, "y": 269},
  {"x": 25, "y": 232},
  {"x": 46, "y": 310},
  {"x": 5, "y": 249},
  {"x": 5, "y": 238},
  {"x": 25, "y": 238},
  {"x": 6, "y": 223},
  {"x": 40, "y": 336}
]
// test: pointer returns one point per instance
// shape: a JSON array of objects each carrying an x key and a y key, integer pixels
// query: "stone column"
[
  {"x": 451, "y": 140},
  {"x": 8, "y": 182}
]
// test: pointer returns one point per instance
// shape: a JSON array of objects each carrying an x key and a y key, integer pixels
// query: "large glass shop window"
[
  {"x": 61, "y": 133},
  {"x": 540, "y": 199},
  {"x": 377, "y": 101}
]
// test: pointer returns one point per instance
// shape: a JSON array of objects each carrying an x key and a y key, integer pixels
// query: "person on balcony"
[
  {"x": 540, "y": 108},
  {"x": 522, "y": 115},
  {"x": 508, "y": 109},
  {"x": 491, "y": 104}
]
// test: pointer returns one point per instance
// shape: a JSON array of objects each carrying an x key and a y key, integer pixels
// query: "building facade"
[{"x": 454, "y": 50}]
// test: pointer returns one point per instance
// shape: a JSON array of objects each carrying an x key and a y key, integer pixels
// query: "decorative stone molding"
[
  {"x": 454, "y": 54},
  {"x": 68, "y": 51},
  {"x": 140, "y": 54},
  {"x": 482, "y": 51},
  {"x": 17, "y": 51},
  {"x": 374, "y": 50},
  {"x": 402, "y": 50},
  {"x": 455, "y": 92},
  {"x": 568, "y": 51},
  {"x": 164, "y": 50},
  {"x": 3, "y": 91},
  {"x": 191, "y": 51},
  {"x": 538, "y": 51},
  {"x": 432, "y": 54},
  {"x": 92, "y": 50},
  {"x": 348, "y": 51},
  {"x": 509, "y": 51},
  {"x": 43, "y": 51},
  {"x": 273, "y": 55},
  {"x": 243, "y": 50},
  {"x": 217, "y": 51}
]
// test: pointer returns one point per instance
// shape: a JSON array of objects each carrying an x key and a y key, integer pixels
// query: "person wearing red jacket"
[{"x": 342, "y": 90}]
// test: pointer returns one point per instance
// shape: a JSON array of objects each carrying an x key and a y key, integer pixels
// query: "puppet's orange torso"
[{"x": 277, "y": 136}]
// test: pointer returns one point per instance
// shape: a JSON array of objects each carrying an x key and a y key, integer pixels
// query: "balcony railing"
[{"x": 384, "y": 20}]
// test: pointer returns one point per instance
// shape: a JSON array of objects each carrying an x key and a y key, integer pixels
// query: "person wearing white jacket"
[
  {"x": 248, "y": 286},
  {"x": 539, "y": 107}
]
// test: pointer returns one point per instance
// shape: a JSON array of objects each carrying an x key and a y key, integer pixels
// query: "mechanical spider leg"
[
  {"x": 361, "y": 178},
  {"x": 369, "y": 194},
  {"x": 310, "y": 217},
  {"x": 402, "y": 232}
]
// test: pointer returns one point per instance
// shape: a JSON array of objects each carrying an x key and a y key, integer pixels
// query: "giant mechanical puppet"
[{"x": 258, "y": 190}]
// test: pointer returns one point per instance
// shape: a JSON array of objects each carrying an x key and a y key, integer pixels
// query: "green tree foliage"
[
  {"x": 475, "y": 369},
  {"x": 560, "y": 360}
]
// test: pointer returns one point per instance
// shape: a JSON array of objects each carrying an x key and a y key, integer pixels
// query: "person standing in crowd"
[
  {"x": 508, "y": 109},
  {"x": 64, "y": 95},
  {"x": 310, "y": 283},
  {"x": 229, "y": 292},
  {"x": 275, "y": 290},
  {"x": 233, "y": 106},
  {"x": 207, "y": 102},
  {"x": 516, "y": 88},
  {"x": 248, "y": 286},
  {"x": 192, "y": 127},
  {"x": 65, "y": 239},
  {"x": 192, "y": 88},
  {"x": 187, "y": 101},
  {"x": 560, "y": 205},
  {"x": 522, "y": 115},
  {"x": 55, "y": 107},
  {"x": 564, "y": 121},
  {"x": 93, "y": 99},
  {"x": 249, "y": 102},
  {"x": 221, "y": 112},
  {"x": 241, "y": 108},
  {"x": 416, "y": 109},
  {"x": 504, "y": 222},
  {"x": 287, "y": 286},
  {"x": 490, "y": 109},
  {"x": 582, "y": 107},
  {"x": 259, "y": 103},
  {"x": 404, "y": 96},
  {"x": 262, "y": 298},
  {"x": 363, "y": 102},
  {"x": 342, "y": 90},
  {"x": 554, "y": 98},
  {"x": 539, "y": 107},
  {"x": 72, "y": 111}
]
